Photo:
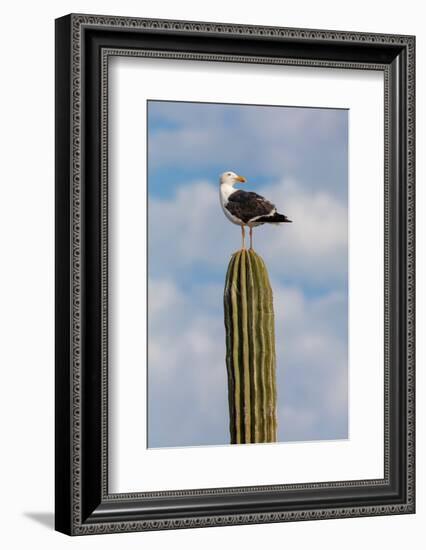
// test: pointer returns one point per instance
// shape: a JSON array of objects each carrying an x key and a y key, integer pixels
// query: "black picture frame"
[{"x": 83, "y": 45}]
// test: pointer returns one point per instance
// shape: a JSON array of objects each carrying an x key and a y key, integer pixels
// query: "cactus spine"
[{"x": 250, "y": 350}]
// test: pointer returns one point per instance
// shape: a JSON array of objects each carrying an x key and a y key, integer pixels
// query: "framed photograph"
[{"x": 234, "y": 274}]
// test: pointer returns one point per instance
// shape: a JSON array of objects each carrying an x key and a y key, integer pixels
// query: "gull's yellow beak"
[{"x": 242, "y": 179}]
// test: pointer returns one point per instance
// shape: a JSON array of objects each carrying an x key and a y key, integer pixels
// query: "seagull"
[{"x": 246, "y": 207}]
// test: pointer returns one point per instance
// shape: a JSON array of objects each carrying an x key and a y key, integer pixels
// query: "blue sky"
[{"x": 298, "y": 158}]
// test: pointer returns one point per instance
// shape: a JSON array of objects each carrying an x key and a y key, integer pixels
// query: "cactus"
[{"x": 250, "y": 350}]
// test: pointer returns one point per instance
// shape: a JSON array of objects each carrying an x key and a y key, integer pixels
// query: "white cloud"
[
  {"x": 164, "y": 296},
  {"x": 269, "y": 140},
  {"x": 187, "y": 372},
  {"x": 314, "y": 246},
  {"x": 311, "y": 341}
]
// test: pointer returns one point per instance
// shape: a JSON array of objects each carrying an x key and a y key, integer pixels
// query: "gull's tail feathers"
[{"x": 275, "y": 218}]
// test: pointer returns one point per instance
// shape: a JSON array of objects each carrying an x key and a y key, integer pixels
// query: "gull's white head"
[{"x": 231, "y": 178}]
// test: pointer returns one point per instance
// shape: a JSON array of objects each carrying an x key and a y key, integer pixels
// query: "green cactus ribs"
[{"x": 250, "y": 350}]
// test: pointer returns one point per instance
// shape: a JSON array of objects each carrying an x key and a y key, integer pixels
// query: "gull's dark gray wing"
[{"x": 246, "y": 205}]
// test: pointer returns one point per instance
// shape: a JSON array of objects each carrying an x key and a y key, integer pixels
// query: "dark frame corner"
[{"x": 83, "y": 45}]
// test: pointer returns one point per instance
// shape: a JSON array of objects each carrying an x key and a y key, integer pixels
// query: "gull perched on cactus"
[{"x": 246, "y": 208}]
